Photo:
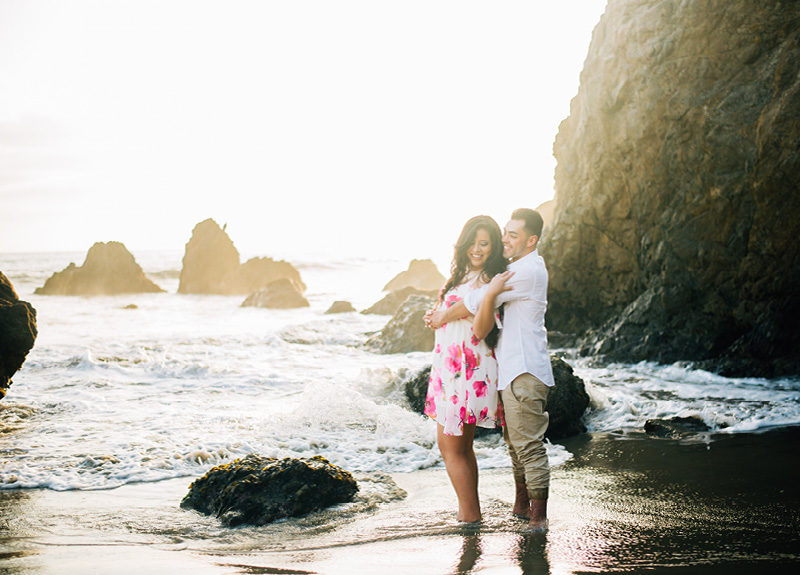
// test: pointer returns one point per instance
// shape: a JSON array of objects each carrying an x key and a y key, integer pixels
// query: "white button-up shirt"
[{"x": 522, "y": 347}]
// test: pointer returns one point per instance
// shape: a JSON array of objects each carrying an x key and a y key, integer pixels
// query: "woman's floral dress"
[{"x": 463, "y": 383}]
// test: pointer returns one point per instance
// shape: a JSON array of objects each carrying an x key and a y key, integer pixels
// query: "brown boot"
[
  {"x": 538, "y": 515},
  {"x": 522, "y": 503}
]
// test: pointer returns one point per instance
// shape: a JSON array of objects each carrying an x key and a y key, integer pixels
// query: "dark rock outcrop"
[
  {"x": 392, "y": 301},
  {"x": 18, "y": 332},
  {"x": 416, "y": 390},
  {"x": 211, "y": 266},
  {"x": 406, "y": 331},
  {"x": 340, "y": 307},
  {"x": 421, "y": 274},
  {"x": 257, "y": 490},
  {"x": 566, "y": 402},
  {"x": 280, "y": 294},
  {"x": 109, "y": 269},
  {"x": 675, "y": 427},
  {"x": 677, "y": 205}
]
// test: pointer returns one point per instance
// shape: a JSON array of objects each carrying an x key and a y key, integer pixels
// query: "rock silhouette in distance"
[
  {"x": 279, "y": 294},
  {"x": 211, "y": 266},
  {"x": 421, "y": 274},
  {"x": 109, "y": 269}
]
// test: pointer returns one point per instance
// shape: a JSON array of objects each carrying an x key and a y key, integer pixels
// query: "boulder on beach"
[
  {"x": 392, "y": 301},
  {"x": 566, "y": 401},
  {"x": 279, "y": 294},
  {"x": 258, "y": 490},
  {"x": 18, "y": 332},
  {"x": 340, "y": 307},
  {"x": 677, "y": 213},
  {"x": 406, "y": 331},
  {"x": 211, "y": 266},
  {"x": 421, "y": 274},
  {"x": 109, "y": 269}
]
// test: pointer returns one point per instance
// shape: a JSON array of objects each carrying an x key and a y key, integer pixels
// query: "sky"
[{"x": 333, "y": 128}]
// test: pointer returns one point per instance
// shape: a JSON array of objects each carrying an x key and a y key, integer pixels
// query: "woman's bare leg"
[{"x": 462, "y": 468}]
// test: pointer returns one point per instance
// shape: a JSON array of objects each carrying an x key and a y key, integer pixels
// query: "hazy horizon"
[{"x": 337, "y": 129}]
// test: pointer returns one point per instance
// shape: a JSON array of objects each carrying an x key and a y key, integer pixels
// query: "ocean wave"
[{"x": 625, "y": 396}]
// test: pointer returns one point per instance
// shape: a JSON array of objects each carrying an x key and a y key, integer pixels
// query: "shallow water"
[{"x": 623, "y": 503}]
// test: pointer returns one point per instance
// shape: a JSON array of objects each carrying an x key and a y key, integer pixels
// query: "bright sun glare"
[{"x": 332, "y": 128}]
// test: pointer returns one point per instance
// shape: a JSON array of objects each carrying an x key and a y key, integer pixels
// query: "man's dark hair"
[{"x": 532, "y": 218}]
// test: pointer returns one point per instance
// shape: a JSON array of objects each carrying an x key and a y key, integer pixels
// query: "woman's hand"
[
  {"x": 498, "y": 284},
  {"x": 434, "y": 319}
]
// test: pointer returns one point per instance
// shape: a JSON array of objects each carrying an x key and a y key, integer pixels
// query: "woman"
[{"x": 462, "y": 392}]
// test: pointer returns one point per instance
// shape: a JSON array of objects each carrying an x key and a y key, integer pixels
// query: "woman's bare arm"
[
  {"x": 435, "y": 319},
  {"x": 484, "y": 319}
]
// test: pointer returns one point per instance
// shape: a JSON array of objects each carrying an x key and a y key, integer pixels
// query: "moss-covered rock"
[{"x": 257, "y": 490}]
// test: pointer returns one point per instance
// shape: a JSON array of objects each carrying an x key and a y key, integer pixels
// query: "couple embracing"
[{"x": 490, "y": 361}]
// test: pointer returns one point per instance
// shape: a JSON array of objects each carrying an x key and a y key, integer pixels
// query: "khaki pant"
[{"x": 524, "y": 404}]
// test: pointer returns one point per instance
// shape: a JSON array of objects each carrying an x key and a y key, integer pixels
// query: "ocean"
[{"x": 144, "y": 390}]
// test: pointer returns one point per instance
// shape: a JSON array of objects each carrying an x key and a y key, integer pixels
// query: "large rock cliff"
[{"x": 677, "y": 205}]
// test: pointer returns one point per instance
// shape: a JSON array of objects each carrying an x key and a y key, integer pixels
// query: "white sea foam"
[
  {"x": 624, "y": 396},
  {"x": 110, "y": 395}
]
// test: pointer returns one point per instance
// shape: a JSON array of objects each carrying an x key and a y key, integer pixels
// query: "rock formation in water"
[
  {"x": 211, "y": 266},
  {"x": 18, "y": 332},
  {"x": 256, "y": 273},
  {"x": 676, "y": 427},
  {"x": 279, "y": 294},
  {"x": 566, "y": 401},
  {"x": 257, "y": 490},
  {"x": 421, "y": 274},
  {"x": 340, "y": 307},
  {"x": 406, "y": 331},
  {"x": 393, "y": 300},
  {"x": 109, "y": 269},
  {"x": 677, "y": 205}
]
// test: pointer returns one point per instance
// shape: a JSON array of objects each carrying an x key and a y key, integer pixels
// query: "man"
[{"x": 525, "y": 374}]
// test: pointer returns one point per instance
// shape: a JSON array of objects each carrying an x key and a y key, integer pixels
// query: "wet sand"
[{"x": 624, "y": 503}]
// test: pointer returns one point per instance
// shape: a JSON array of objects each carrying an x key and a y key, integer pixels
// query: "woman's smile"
[{"x": 479, "y": 251}]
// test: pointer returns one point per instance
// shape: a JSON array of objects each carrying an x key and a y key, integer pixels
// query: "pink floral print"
[
  {"x": 453, "y": 360},
  {"x": 463, "y": 385}
]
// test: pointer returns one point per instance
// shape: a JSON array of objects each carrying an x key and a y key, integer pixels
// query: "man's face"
[{"x": 516, "y": 241}]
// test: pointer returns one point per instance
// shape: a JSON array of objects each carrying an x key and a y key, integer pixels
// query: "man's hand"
[{"x": 498, "y": 284}]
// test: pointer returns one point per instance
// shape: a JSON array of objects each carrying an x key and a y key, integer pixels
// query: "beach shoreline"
[{"x": 624, "y": 502}]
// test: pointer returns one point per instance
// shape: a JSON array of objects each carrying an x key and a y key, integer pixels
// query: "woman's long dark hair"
[{"x": 495, "y": 263}]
